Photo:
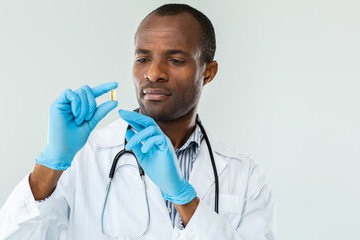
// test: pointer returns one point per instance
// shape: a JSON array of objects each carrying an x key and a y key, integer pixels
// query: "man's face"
[{"x": 167, "y": 72}]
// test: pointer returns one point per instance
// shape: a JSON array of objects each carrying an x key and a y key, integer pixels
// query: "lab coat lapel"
[
  {"x": 158, "y": 201},
  {"x": 202, "y": 175}
]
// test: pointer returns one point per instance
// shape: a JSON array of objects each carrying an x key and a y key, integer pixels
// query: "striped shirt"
[{"x": 186, "y": 156}]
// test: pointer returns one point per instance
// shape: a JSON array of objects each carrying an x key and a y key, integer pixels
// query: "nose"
[{"x": 156, "y": 72}]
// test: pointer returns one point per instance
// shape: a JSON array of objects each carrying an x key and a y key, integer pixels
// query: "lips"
[{"x": 156, "y": 94}]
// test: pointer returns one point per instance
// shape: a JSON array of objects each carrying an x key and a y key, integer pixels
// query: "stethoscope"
[{"x": 142, "y": 176}]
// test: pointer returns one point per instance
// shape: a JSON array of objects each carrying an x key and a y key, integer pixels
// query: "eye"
[
  {"x": 177, "y": 61},
  {"x": 141, "y": 60}
]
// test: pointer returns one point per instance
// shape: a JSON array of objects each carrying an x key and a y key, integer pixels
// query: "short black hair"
[{"x": 208, "y": 33}]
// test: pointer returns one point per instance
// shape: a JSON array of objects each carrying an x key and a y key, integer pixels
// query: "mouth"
[{"x": 155, "y": 94}]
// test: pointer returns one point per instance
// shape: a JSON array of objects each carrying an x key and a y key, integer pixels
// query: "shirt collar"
[
  {"x": 113, "y": 134},
  {"x": 195, "y": 138}
]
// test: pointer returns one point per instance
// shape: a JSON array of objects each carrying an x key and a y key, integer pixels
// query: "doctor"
[{"x": 63, "y": 197}]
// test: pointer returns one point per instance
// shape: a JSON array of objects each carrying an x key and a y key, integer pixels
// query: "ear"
[{"x": 211, "y": 69}]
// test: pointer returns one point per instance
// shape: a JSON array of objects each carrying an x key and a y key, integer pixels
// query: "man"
[{"x": 174, "y": 51}]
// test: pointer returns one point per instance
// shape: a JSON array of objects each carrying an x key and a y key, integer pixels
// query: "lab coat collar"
[
  {"x": 113, "y": 136},
  {"x": 202, "y": 175}
]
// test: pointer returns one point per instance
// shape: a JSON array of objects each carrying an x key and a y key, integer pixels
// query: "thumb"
[
  {"x": 100, "y": 112},
  {"x": 66, "y": 98}
]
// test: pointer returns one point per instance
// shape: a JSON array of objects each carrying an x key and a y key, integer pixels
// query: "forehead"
[{"x": 180, "y": 31}]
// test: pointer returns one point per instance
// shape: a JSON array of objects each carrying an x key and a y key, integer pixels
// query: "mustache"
[{"x": 155, "y": 85}]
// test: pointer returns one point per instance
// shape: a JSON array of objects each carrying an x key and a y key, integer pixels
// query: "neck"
[{"x": 179, "y": 130}]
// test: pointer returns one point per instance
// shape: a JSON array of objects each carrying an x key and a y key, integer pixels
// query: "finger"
[
  {"x": 138, "y": 118},
  {"x": 158, "y": 141},
  {"x": 100, "y": 112},
  {"x": 137, "y": 148},
  {"x": 135, "y": 125},
  {"x": 84, "y": 109},
  {"x": 103, "y": 88},
  {"x": 129, "y": 134},
  {"x": 141, "y": 136},
  {"x": 69, "y": 97},
  {"x": 92, "y": 102}
]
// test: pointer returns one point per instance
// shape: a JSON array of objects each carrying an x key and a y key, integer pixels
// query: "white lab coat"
[{"x": 73, "y": 211}]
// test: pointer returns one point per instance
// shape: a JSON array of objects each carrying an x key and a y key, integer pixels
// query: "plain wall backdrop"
[{"x": 286, "y": 94}]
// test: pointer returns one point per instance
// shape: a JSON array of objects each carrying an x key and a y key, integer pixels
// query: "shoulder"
[
  {"x": 101, "y": 144},
  {"x": 224, "y": 150},
  {"x": 240, "y": 167},
  {"x": 107, "y": 139},
  {"x": 111, "y": 135}
]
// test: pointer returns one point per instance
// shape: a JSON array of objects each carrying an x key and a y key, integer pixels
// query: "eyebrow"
[
  {"x": 142, "y": 51},
  {"x": 177, "y": 51},
  {"x": 169, "y": 52}
]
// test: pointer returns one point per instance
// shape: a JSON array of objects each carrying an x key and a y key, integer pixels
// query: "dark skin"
[{"x": 169, "y": 77}]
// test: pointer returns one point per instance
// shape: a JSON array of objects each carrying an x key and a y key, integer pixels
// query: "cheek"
[
  {"x": 197, "y": 79},
  {"x": 137, "y": 76},
  {"x": 192, "y": 80},
  {"x": 135, "y": 71},
  {"x": 191, "y": 74},
  {"x": 191, "y": 88}
]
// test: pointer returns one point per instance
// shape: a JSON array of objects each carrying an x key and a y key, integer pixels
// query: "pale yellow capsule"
[{"x": 113, "y": 95}]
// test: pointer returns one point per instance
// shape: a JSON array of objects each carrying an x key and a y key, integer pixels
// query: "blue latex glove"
[
  {"x": 157, "y": 157},
  {"x": 73, "y": 115}
]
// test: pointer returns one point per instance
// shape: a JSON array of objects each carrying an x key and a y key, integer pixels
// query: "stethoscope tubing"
[
  {"x": 126, "y": 237},
  {"x": 198, "y": 122},
  {"x": 142, "y": 175}
]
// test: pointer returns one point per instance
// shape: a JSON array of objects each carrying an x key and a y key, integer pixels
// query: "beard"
[{"x": 178, "y": 105}]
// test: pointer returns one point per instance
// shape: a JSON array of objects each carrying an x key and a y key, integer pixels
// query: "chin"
[
  {"x": 164, "y": 111},
  {"x": 164, "y": 114},
  {"x": 158, "y": 113}
]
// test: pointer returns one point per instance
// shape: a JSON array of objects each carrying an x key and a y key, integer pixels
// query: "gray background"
[{"x": 286, "y": 94}]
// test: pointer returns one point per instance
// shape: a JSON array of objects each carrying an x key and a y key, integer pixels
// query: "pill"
[{"x": 113, "y": 95}]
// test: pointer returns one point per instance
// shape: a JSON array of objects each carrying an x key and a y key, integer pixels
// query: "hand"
[
  {"x": 157, "y": 157},
  {"x": 72, "y": 117}
]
